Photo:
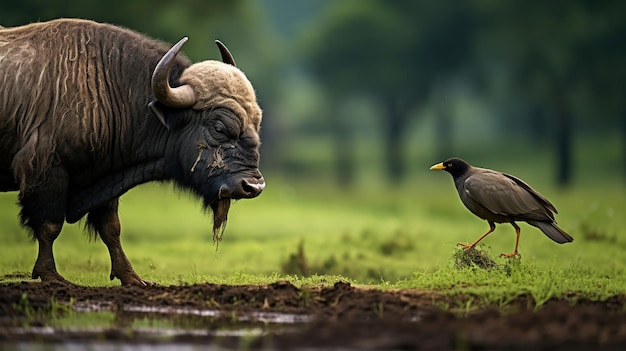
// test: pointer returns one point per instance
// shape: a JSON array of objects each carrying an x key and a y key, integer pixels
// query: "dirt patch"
[{"x": 339, "y": 316}]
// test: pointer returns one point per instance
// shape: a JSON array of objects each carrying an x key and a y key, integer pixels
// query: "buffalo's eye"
[{"x": 219, "y": 127}]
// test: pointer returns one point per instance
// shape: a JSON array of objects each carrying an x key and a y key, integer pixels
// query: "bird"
[{"x": 502, "y": 198}]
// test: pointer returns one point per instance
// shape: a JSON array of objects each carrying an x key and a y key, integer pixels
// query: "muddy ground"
[{"x": 335, "y": 317}]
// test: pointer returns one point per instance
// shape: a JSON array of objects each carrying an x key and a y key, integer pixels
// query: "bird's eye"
[{"x": 449, "y": 165}]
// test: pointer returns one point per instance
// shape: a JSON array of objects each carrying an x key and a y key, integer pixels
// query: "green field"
[{"x": 400, "y": 236}]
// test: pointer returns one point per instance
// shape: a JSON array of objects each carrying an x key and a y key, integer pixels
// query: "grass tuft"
[{"x": 472, "y": 258}]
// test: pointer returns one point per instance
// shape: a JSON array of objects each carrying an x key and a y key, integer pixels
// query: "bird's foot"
[
  {"x": 466, "y": 246},
  {"x": 513, "y": 254}
]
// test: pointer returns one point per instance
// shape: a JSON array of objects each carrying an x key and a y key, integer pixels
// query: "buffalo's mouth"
[{"x": 245, "y": 188}]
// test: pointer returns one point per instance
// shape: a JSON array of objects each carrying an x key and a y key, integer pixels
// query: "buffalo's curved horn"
[
  {"x": 180, "y": 97},
  {"x": 227, "y": 57}
]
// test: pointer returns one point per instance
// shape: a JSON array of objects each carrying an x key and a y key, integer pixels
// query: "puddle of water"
[
  {"x": 265, "y": 317},
  {"x": 144, "y": 333},
  {"x": 106, "y": 346},
  {"x": 110, "y": 327}
]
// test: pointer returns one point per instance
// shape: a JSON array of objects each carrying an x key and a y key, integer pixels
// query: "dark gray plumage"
[{"x": 502, "y": 198}]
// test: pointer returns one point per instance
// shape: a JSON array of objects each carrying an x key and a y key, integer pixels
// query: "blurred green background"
[{"x": 360, "y": 98}]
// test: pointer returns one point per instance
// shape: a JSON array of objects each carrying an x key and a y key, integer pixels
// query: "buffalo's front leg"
[{"x": 105, "y": 221}]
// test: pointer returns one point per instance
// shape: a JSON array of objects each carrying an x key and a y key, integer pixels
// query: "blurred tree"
[
  {"x": 392, "y": 52},
  {"x": 565, "y": 57},
  {"x": 158, "y": 18},
  {"x": 602, "y": 88},
  {"x": 444, "y": 122}
]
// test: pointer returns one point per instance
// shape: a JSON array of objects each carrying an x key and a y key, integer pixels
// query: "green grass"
[{"x": 401, "y": 236}]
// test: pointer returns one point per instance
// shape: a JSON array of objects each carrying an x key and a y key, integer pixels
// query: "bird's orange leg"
[
  {"x": 517, "y": 232},
  {"x": 492, "y": 227}
]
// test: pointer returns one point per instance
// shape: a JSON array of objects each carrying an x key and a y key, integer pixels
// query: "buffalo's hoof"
[
  {"x": 52, "y": 277},
  {"x": 131, "y": 279},
  {"x": 48, "y": 274}
]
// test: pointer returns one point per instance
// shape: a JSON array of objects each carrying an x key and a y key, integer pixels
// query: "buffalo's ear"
[{"x": 158, "y": 112}]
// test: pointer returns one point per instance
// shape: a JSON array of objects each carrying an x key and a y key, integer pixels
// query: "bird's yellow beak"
[{"x": 438, "y": 167}]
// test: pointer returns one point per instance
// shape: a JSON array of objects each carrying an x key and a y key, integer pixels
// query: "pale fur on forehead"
[{"x": 218, "y": 84}]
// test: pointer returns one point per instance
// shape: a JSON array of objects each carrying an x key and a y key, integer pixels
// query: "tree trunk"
[
  {"x": 537, "y": 124},
  {"x": 394, "y": 151},
  {"x": 623, "y": 132},
  {"x": 563, "y": 136},
  {"x": 344, "y": 146},
  {"x": 343, "y": 140},
  {"x": 443, "y": 121}
]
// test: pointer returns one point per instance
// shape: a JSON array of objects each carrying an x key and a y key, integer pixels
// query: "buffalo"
[{"x": 90, "y": 110}]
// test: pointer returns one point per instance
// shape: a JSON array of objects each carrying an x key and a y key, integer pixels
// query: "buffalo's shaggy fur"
[
  {"x": 67, "y": 89},
  {"x": 82, "y": 121}
]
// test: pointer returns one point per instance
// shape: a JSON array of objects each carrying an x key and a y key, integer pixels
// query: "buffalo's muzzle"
[{"x": 248, "y": 187}]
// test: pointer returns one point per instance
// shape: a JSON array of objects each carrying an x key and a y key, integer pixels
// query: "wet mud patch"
[{"x": 282, "y": 316}]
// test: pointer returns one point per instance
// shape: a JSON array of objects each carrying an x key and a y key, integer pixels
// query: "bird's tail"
[{"x": 552, "y": 231}]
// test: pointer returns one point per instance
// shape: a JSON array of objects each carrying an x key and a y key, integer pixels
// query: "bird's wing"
[
  {"x": 533, "y": 192},
  {"x": 503, "y": 195}
]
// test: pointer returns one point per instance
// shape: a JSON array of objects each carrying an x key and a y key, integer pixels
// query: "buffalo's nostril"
[
  {"x": 242, "y": 188},
  {"x": 252, "y": 189}
]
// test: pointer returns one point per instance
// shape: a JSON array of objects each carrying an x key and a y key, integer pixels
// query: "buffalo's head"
[{"x": 214, "y": 122}]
